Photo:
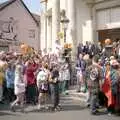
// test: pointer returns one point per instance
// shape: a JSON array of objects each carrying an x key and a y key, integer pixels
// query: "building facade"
[
  {"x": 18, "y": 25},
  {"x": 90, "y": 20}
]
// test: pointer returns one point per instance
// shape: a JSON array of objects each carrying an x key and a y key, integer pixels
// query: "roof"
[
  {"x": 3, "y": 5},
  {"x": 9, "y": 2},
  {"x": 37, "y": 17}
]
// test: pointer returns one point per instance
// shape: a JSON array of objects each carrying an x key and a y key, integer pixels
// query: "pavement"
[{"x": 73, "y": 108}]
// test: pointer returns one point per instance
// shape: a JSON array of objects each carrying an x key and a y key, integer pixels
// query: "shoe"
[
  {"x": 88, "y": 105},
  {"x": 78, "y": 91},
  {"x": 95, "y": 112},
  {"x": 22, "y": 110},
  {"x": 58, "y": 108},
  {"x": 39, "y": 107},
  {"x": 109, "y": 114},
  {"x": 1, "y": 102},
  {"x": 12, "y": 108}
]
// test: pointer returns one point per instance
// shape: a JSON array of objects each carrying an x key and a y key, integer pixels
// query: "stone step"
[{"x": 73, "y": 95}]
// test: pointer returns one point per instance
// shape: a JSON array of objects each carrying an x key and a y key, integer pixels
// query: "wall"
[
  {"x": 24, "y": 23},
  {"x": 111, "y": 15},
  {"x": 83, "y": 21}
]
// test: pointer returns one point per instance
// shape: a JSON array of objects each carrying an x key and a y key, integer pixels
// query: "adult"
[
  {"x": 94, "y": 77},
  {"x": 19, "y": 84},
  {"x": 54, "y": 86},
  {"x": 80, "y": 66},
  {"x": 42, "y": 84},
  {"x": 109, "y": 86},
  {"x": 9, "y": 77},
  {"x": 31, "y": 82}
]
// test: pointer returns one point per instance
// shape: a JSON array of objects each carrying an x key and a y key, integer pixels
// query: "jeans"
[
  {"x": 94, "y": 101},
  {"x": 1, "y": 92},
  {"x": 54, "y": 89}
]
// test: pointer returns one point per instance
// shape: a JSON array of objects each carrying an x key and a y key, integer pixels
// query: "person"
[
  {"x": 94, "y": 76},
  {"x": 42, "y": 84},
  {"x": 1, "y": 85},
  {"x": 80, "y": 66},
  {"x": 64, "y": 76},
  {"x": 9, "y": 77},
  {"x": 19, "y": 85},
  {"x": 79, "y": 49},
  {"x": 118, "y": 89},
  {"x": 31, "y": 82},
  {"x": 116, "y": 85},
  {"x": 54, "y": 86},
  {"x": 108, "y": 88}
]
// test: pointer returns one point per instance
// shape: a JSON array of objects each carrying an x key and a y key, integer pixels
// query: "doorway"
[{"x": 113, "y": 34}]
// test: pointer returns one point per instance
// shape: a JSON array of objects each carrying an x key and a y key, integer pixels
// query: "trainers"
[
  {"x": 39, "y": 107},
  {"x": 109, "y": 114}
]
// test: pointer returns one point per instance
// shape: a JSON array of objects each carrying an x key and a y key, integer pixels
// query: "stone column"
[
  {"x": 49, "y": 32},
  {"x": 55, "y": 21},
  {"x": 71, "y": 33}
]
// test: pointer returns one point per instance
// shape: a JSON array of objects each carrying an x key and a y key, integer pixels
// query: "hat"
[
  {"x": 112, "y": 57},
  {"x": 114, "y": 63}
]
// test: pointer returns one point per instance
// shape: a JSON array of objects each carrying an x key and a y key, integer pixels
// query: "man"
[
  {"x": 80, "y": 66},
  {"x": 94, "y": 77},
  {"x": 54, "y": 87}
]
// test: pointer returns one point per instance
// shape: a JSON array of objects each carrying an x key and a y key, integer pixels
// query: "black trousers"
[
  {"x": 54, "y": 88},
  {"x": 10, "y": 94},
  {"x": 31, "y": 94}
]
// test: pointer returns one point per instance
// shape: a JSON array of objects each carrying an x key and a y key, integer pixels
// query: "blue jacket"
[
  {"x": 9, "y": 77},
  {"x": 81, "y": 64}
]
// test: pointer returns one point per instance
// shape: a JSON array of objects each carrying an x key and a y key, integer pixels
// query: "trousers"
[
  {"x": 54, "y": 89},
  {"x": 1, "y": 92}
]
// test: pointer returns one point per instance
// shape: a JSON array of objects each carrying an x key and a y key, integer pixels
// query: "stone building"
[
  {"x": 18, "y": 25},
  {"x": 90, "y": 20}
]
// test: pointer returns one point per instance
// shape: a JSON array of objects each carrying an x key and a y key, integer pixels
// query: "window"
[{"x": 31, "y": 33}]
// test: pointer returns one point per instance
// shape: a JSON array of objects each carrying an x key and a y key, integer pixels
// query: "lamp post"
[{"x": 65, "y": 22}]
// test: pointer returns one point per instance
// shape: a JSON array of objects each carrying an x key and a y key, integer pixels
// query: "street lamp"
[{"x": 65, "y": 22}]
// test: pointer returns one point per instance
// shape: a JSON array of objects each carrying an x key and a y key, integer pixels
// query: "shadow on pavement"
[
  {"x": 6, "y": 113},
  {"x": 72, "y": 108},
  {"x": 63, "y": 108}
]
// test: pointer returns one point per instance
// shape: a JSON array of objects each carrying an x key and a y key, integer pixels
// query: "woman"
[
  {"x": 19, "y": 85},
  {"x": 31, "y": 82},
  {"x": 110, "y": 78},
  {"x": 116, "y": 86},
  {"x": 9, "y": 77},
  {"x": 66, "y": 76},
  {"x": 42, "y": 84}
]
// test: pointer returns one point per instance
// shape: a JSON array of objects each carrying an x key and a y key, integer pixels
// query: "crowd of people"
[
  {"x": 38, "y": 78},
  {"x": 98, "y": 72},
  {"x": 32, "y": 79}
]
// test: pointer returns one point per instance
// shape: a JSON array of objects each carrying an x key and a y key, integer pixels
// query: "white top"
[
  {"x": 42, "y": 77},
  {"x": 119, "y": 52},
  {"x": 19, "y": 81}
]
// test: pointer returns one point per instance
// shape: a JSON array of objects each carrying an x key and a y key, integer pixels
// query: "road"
[{"x": 72, "y": 109}]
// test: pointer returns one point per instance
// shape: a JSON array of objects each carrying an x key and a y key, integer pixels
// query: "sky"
[{"x": 33, "y": 5}]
